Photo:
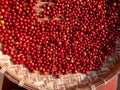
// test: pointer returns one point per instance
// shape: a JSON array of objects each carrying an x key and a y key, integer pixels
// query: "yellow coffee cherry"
[
  {"x": 1, "y": 17},
  {"x": 114, "y": 4},
  {"x": 2, "y": 22},
  {"x": 3, "y": 10},
  {"x": 48, "y": 8}
]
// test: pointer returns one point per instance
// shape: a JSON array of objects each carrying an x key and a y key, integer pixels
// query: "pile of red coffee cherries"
[{"x": 79, "y": 41}]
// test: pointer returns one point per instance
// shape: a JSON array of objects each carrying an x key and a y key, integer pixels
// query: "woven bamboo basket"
[{"x": 20, "y": 75}]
